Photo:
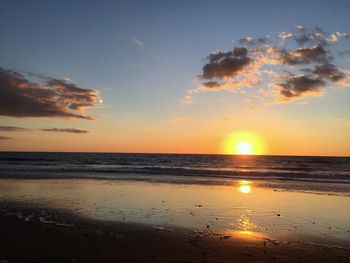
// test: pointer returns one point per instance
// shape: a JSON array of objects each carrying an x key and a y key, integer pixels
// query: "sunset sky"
[{"x": 175, "y": 76}]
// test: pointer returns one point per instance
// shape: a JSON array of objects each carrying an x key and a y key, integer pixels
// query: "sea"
[{"x": 114, "y": 165}]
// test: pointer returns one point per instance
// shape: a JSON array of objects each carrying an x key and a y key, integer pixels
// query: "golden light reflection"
[
  {"x": 245, "y": 223},
  {"x": 244, "y": 143},
  {"x": 246, "y": 235},
  {"x": 246, "y": 232},
  {"x": 245, "y": 187},
  {"x": 244, "y": 228}
]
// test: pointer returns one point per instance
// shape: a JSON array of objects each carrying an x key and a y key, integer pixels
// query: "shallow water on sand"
[{"x": 244, "y": 207}]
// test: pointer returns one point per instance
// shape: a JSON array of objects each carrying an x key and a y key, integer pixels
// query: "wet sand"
[
  {"x": 137, "y": 221},
  {"x": 64, "y": 237}
]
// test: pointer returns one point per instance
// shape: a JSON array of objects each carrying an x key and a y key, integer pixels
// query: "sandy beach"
[
  {"x": 68, "y": 238},
  {"x": 125, "y": 221}
]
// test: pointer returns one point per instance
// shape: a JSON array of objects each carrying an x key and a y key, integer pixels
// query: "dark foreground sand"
[{"x": 25, "y": 236}]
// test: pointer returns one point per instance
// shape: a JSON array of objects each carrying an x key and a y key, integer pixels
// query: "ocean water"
[{"x": 113, "y": 165}]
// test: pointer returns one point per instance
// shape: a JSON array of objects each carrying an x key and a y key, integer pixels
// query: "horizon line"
[{"x": 169, "y": 153}]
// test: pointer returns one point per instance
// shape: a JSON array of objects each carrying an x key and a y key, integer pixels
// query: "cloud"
[
  {"x": 69, "y": 130},
  {"x": 305, "y": 36},
  {"x": 12, "y": 129},
  {"x": 333, "y": 38},
  {"x": 226, "y": 64},
  {"x": 21, "y": 97},
  {"x": 329, "y": 71},
  {"x": 19, "y": 129},
  {"x": 316, "y": 35},
  {"x": 211, "y": 84},
  {"x": 300, "y": 27},
  {"x": 296, "y": 86},
  {"x": 250, "y": 41},
  {"x": 138, "y": 42},
  {"x": 304, "y": 55},
  {"x": 285, "y": 35},
  {"x": 5, "y": 138},
  {"x": 297, "y": 62}
]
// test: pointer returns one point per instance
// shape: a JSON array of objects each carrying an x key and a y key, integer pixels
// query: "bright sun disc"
[
  {"x": 244, "y": 143},
  {"x": 244, "y": 148}
]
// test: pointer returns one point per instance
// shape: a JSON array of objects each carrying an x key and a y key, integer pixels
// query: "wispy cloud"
[
  {"x": 21, "y": 129},
  {"x": 53, "y": 97},
  {"x": 69, "y": 130},
  {"x": 295, "y": 63},
  {"x": 138, "y": 42},
  {"x": 12, "y": 129}
]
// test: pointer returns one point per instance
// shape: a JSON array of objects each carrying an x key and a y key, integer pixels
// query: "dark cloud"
[
  {"x": 310, "y": 36},
  {"x": 304, "y": 55},
  {"x": 69, "y": 130},
  {"x": 247, "y": 41},
  {"x": 296, "y": 86},
  {"x": 20, "y": 97},
  {"x": 5, "y": 138},
  {"x": 241, "y": 52},
  {"x": 298, "y": 62},
  {"x": 329, "y": 71},
  {"x": 303, "y": 39},
  {"x": 12, "y": 129},
  {"x": 218, "y": 55},
  {"x": 212, "y": 84},
  {"x": 19, "y": 129},
  {"x": 226, "y": 64}
]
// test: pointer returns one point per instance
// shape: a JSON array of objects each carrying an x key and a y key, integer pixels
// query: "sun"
[
  {"x": 244, "y": 143},
  {"x": 244, "y": 148}
]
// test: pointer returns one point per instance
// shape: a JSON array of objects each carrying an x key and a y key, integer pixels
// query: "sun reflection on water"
[
  {"x": 244, "y": 228},
  {"x": 247, "y": 235},
  {"x": 245, "y": 187},
  {"x": 246, "y": 232},
  {"x": 245, "y": 223}
]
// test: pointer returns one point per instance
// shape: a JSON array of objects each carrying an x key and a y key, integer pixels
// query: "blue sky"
[{"x": 143, "y": 56}]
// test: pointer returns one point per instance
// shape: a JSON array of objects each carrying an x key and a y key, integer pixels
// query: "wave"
[
  {"x": 25, "y": 159},
  {"x": 115, "y": 172}
]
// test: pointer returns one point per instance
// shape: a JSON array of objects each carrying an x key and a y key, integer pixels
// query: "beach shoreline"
[{"x": 323, "y": 187}]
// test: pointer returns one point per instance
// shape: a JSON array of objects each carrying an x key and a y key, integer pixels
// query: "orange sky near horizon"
[{"x": 186, "y": 136}]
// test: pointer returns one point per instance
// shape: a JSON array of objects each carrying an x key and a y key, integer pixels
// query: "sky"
[{"x": 175, "y": 76}]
